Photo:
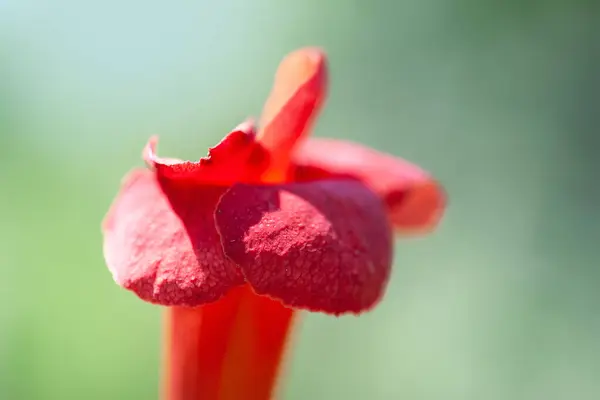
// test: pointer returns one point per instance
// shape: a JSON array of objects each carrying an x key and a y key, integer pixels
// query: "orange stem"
[{"x": 228, "y": 350}]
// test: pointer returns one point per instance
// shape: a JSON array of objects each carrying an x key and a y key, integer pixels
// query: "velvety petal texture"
[
  {"x": 160, "y": 242},
  {"x": 415, "y": 201},
  {"x": 323, "y": 246}
]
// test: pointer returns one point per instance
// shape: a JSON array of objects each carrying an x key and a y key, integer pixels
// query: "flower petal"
[
  {"x": 324, "y": 245},
  {"x": 415, "y": 201},
  {"x": 298, "y": 92},
  {"x": 237, "y": 158},
  {"x": 161, "y": 242}
]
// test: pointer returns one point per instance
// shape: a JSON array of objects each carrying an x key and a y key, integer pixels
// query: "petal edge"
[{"x": 238, "y": 157}]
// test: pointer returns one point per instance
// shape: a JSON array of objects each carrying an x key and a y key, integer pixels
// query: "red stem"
[{"x": 228, "y": 350}]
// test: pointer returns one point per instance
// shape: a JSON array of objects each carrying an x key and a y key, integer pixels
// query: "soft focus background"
[{"x": 500, "y": 100}]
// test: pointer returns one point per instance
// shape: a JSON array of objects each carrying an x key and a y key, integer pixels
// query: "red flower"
[{"x": 309, "y": 224}]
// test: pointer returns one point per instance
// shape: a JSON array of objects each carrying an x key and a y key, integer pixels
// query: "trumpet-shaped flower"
[{"x": 268, "y": 220}]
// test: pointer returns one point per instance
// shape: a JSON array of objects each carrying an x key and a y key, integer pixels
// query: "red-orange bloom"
[{"x": 306, "y": 222}]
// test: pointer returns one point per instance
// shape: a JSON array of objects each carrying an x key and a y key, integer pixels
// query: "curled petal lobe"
[
  {"x": 160, "y": 241},
  {"x": 323, "y": 246},
  {"x": 414, "y": 200},
  {"x": 237, "y": 158},
  {"x": 298, "y": 92}
]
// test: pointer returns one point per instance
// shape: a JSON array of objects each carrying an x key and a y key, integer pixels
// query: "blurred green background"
[{"x": 500, "y": 100}]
